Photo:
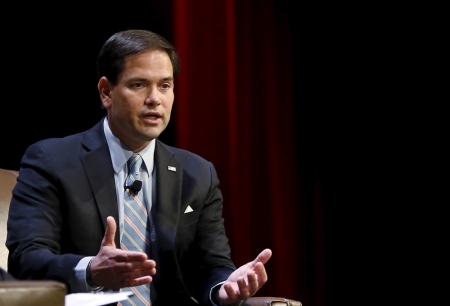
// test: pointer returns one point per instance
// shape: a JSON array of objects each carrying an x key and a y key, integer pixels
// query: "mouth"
[{"x": 152, "y": 117}]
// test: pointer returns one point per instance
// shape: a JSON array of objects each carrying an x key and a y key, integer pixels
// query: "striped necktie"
[{"x": 135, "y": 235}]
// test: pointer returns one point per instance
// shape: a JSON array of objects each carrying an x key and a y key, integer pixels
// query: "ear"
[{"x": 105, "y": 89}]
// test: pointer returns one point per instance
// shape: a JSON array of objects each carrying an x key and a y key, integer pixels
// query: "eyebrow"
[
  {"x": 144, "y": 79},
  {"x": 168, "y": 79}
]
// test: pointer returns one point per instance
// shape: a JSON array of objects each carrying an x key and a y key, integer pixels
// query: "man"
[{"x": 69, "y": 218}]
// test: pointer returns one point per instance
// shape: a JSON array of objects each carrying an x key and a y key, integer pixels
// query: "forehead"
[
  {"x": 148, "y": 58},
  {"x": 153, "y": 64}
]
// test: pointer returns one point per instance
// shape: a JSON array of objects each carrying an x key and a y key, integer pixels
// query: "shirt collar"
[{"x": 120, "y": 153}]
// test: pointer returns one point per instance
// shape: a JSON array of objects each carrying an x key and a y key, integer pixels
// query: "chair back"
[{"x": 8, "y": 179}]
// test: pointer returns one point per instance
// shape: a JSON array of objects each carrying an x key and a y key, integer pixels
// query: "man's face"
[{"x": 139, "y": 105}]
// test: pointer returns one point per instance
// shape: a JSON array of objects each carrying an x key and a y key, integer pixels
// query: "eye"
[
  {"x": 166, "y": 85},
  {"x": 138, "y": 85}
]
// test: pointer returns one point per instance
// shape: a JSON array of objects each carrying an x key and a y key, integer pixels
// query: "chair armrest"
[
  {"x": 269, "y": 301},
  {"x": 36, "y": 293}
]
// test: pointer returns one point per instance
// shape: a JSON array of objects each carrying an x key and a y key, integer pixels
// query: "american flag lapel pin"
[{"x": 171, "y": 168}]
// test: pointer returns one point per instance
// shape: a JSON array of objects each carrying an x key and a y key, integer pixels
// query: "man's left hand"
[{"x": 246, "y": 280}]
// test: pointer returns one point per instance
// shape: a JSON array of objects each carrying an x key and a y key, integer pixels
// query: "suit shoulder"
[
  {"x": 60, "y": 141},
  {"x": 72, "y": 140},
  {"x": 184, "y": 154}
]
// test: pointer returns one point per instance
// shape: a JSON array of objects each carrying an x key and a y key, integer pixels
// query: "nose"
[{"x": 153, "y": 97}]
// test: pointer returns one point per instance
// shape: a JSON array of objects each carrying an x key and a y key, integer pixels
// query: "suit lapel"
[
  {"x": 168, "y": 195},
  {"x": 98, "y": 166},
  {"x": 165, "y": 213}
]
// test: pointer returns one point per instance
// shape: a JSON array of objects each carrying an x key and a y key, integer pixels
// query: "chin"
[
  {"x": 150, "y": 135},
  {"x": 154, "y": 132}
]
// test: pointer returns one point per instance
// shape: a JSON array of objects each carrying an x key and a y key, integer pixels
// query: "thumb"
[
  {"x": 263, "y": 257},
  {"x": 108, "y": 239}
]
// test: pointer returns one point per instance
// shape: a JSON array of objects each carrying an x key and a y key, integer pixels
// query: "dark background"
[
  {"x": 49, "y": 90},
  {"x": 49, "y": 77}
]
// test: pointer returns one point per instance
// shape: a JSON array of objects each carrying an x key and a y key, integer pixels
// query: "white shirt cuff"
[
  {"x": 211, "y": 293},
  {"x": 78, "y": 278}
]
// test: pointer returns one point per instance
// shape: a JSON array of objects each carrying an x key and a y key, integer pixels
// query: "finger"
[
  {"x": 253, "y": 284},
  {"x": 137, "y": 274},
  {"x": 232, "y": 295},
  {"x": 147, "y": 265},
  {"x": 132, "y": 256},
  {"x": 136, "y": 282},
  {"x": 244, "y": 291},
  {"x": 108, "y": 239},
  {"x": 264, "y": 256},
  {"x": 261, "y": 273}
]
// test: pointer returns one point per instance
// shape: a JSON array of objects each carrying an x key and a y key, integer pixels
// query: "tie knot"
[{"x": 134, "y": 163}]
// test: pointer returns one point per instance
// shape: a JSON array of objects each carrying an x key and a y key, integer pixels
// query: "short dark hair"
[{"x": 111, "y": 59}]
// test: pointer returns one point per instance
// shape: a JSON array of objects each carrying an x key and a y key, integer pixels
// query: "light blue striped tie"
[{"x": 135, "y": 235}]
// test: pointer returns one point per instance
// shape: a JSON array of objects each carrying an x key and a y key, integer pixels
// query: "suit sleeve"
[
  {"x": 210, "y": 251},
  {"x": 35, "y": 222}
]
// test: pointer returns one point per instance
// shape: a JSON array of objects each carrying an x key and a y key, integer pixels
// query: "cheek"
[
  {"x": 121, "y": 110},
  {"x": 169, "y": 104},
  {"x": 126, "y": 104}
]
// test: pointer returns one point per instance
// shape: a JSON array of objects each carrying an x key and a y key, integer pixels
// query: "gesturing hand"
[
  {"x": 114, "y": 268},
  {"x": 246, "y": 280}
]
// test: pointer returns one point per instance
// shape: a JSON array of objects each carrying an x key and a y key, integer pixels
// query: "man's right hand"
[{"x": 114, "y": 268}]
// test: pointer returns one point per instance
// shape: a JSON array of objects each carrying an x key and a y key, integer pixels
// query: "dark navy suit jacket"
[{"x": 66, "y": 189}]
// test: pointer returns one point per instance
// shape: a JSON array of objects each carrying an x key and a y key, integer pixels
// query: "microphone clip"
[{"x": 135, "y": 187}]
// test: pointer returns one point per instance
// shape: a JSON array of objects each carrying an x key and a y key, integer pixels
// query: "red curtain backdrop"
[{"x": 234, "y": 105}]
